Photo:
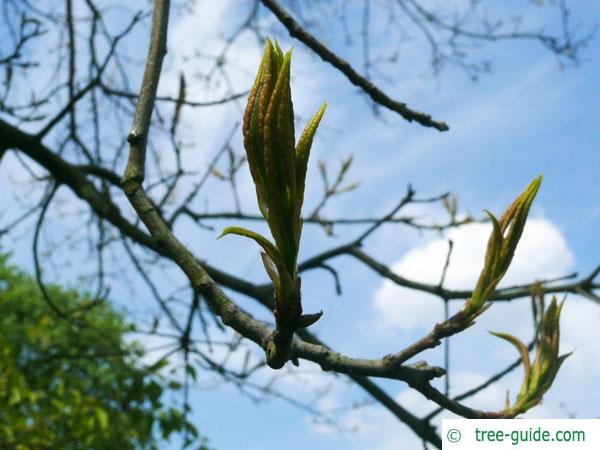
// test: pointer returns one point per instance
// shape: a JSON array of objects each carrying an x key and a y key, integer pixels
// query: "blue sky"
[{"x": 525, "y": 118}]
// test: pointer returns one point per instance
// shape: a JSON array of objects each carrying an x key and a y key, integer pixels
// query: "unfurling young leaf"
[
  {"x": 501, "y": 248},
  {"x": 540, "y": 374},
  {"x": 278, "y": 167}
]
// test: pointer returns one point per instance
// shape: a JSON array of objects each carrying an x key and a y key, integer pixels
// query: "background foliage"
[{"x": 75, "y": 383}]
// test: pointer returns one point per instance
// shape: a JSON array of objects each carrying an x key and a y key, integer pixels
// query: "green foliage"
[{"x": 74, "y": 384}]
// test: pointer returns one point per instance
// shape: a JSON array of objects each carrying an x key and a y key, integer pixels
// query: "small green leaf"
[
  {"x": 271, "y": 269},
  {"x": 516, "y": 217},
  {"x": 523, "y": 351},
  {"x": 521, "y": 348},
  {"x": 266, "y": 245},
  {"x": 191, "y": 371},
  {"x": 101, "y": 418},
  {"x": 303, "y": 150}
]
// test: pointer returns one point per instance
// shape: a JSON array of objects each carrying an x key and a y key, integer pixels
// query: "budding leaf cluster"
[
  {"x": 278, "y": 167},
  {"x": 501, "y": 248},
  {"x": 540, "y": 374}
]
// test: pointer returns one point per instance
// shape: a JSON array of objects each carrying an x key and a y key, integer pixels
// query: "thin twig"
[{"x": 296, "y": 30}]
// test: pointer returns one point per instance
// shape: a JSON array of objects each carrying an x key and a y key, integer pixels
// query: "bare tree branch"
[{"x": 378, "y": 96}]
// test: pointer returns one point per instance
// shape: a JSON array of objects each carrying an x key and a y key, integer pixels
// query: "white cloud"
[
  {"x": 542, "y": 253},
  {"x": 581, "y": 333}
]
